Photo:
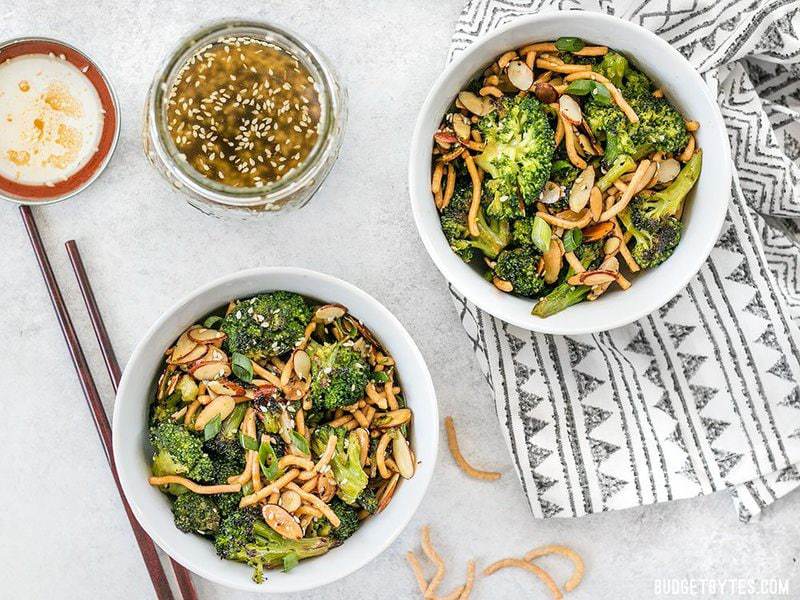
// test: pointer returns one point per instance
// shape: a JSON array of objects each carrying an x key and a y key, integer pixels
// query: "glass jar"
[{"x": 292, "y": 190}]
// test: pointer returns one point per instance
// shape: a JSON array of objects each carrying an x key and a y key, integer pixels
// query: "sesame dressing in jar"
[
  {"x": 244, "y": 118},
  {"x": 244, "y": 112}
]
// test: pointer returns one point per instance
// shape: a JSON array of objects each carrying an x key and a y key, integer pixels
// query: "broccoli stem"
[
  {"x": 673, "y": 196},
  {"x": 621, "y": 165},
  {"x": 563, "y": 296}
]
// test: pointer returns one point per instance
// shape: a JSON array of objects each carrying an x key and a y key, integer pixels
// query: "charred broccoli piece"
[
  {"x": 269, "y": 408},
  {"x": 266, "y": 325},
  {"x": 565, "y": 295},
  {"x": 653, "y": 220},
  {"x": 339, "y": 375},
  {"x": 179, "y": 452},
  {"x": 225, "y": 445},
  {"x": 520, "y": 267},
  {"x": 368, "y": 501},
  {"x": 346, "y": 462},
  {"x": 613, "y": 67},
  {"x": 348, "y": 522},
  {"x": 517, "y": 155},
  {"x": 494, "y": 233},
  {"x": 195, "y": 513},
  {"x": 162, "y": 410},
  {"x": 223, "y": 469}
]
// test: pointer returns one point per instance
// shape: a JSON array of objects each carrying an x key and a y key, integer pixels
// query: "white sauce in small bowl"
[{"x": 51, "y": 119}]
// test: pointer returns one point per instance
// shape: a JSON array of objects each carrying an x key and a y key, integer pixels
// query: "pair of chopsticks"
[{"x": 146, "y": 545}]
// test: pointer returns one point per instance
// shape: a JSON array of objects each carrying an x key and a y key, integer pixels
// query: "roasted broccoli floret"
[
  {"x": 179, "y": 452},
  {"x": 348, "y": 522},
  {"x": 494, "y": 233},
  {"x": 339, "y": 375},
  {"x": 613, "y": 67},
  {"x": 346, "y": 462},
  {"x": 244, "y": 537},
  {"x": 368, "y": 501},
  {"x": 660, "y": 126},
  {"x": 223, "y": 469},
  {"x": 653, "y": 221},
  {"x": 225, "y": 445},
  {"x": 563, "y": 172},
  {"x": 269, "y": 408},
  {"x": 518, "y": 155},
  {"x": 519, "y": 267},
  {"x": 195, "y": 514},
  {"x": 565, "y": 295},
  {"x": 266, "y": 325},
  {"x": 270, "y": 549},
  {"x": 235, "y": 532},
  {"x": 621, "y": 165}
]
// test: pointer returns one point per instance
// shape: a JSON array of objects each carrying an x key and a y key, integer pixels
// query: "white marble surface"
[{"x": 62, "y": 531}]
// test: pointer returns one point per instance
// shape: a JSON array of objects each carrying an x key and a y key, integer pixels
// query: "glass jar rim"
[{"x": 221, "y": 193}]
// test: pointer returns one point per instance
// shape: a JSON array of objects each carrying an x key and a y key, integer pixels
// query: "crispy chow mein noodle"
[
  {"x": 452, "y": 443},
  {"x": 577, "y": 562}
]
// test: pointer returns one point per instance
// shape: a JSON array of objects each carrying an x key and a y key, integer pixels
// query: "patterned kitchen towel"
[{"x": 702, "y": 394}]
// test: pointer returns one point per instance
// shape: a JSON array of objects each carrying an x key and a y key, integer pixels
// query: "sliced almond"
[
  {"x": 302, "y": 364},
  {"x": 282, "y": 522},
  {"x": 392, "y": 418},
  {"x": 596, "y": 203},
  {"x": 502, "y": 284},
  {"x": 592, "y": 278},
  {"x": 520, "y": 75},
  {"x": 402, "y": 456},
  {"x": 388, "y": 492},
  {"x": 209, "y": 370},
  {"x": 552, "y": 261},
  {"x": 667, "y": 170},
  {"x": 581, "y": 189},
  {"x": 201, "y": 335},
  {"x": 326, "y": 487},
  {"x": 198, "y": 352},
  {"x": 475, "y": 104},
  {"x": 215, "y": 354},
  {"x": 183, "y": 346},
  {"x": 612, "y": 245},
  {"x": 545, "y": 93},
  {"x": 461, "y": 126},
  {"x": 445, "y": 139},
  {"x": 224, "y": 387},
  {"x": 290, "y": 500},
  {"x": 329, "y": 313},
  {"x": 551, "y": 193},
  {"x": 569, "y": 108},
  {"x": 597, "y": 231},
  {"x": 221, "y": 406}
]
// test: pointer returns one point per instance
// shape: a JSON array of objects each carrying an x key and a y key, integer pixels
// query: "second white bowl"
[
  {"x": 706, "y": 207},
  {"x": 130, "y": 427}
]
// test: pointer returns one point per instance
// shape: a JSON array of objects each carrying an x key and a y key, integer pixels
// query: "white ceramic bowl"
[
  {"x": 131, "y": 446},
  {"x": 706, "y": 207}
]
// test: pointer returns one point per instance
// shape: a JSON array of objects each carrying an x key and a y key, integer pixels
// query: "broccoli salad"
[
  {"x": 557, "y": 166},
  {"x": 277, "y": 427}
]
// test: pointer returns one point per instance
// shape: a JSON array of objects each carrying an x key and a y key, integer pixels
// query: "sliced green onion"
[
  {"x": 290, "y": 561},
  {"x": 580, "y": 87},
  {"x": 299, "y": 442},
  {"x": 541, "y": 234},
  {"x": 601, "y": 95},
  {"x": 247, "y": 442},
  {"x": 380, "y": 377},
  {"x": 268, "y": 461},
  {"x": 572, "y": 239},
  {"x": 242, "y": 367},
  {"x": 212, "y": 321},
  {"x": 212, "y": 428},
  {"x": 569, "y": 44}
]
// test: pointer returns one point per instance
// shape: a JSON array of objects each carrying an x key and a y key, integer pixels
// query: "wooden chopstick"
[
  {"x": 115, "y": 374},
  {"x": 146, "y": 545}
]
